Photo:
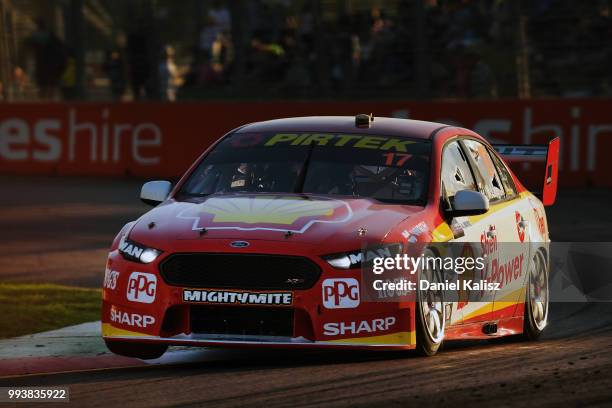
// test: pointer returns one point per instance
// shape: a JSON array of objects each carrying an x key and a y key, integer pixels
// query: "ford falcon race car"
[{"x": 262, "y": 242}]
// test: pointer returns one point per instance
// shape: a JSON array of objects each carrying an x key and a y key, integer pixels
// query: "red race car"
[{"x": 262, "y": 242}]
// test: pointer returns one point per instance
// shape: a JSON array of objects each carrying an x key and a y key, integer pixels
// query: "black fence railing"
[{"x": 239, "y": 49}]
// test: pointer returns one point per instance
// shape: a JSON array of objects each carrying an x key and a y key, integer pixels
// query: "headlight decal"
[
  {"x": 353, "y": 259},
  {"x": 135, "y": 252}
]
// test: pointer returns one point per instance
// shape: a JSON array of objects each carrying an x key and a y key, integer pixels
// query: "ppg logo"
[
  {"x": 141, "y": 287},
  {"x": 341, "y": 293}
]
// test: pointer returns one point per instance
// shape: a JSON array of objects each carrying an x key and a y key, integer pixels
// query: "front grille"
[
  {"x": 240, "y": 271},
  {"x": 242, "y": 321}
]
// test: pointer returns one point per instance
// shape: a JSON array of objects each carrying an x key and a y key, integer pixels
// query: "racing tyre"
[
  {"x": 142, "y": 351},
  {"x": 430, "y": 314},
  {"x": 536, "y": 304}
]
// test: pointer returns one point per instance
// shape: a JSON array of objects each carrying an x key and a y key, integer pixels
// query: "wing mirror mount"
[
  {"x": 155, "y": 192},
  {"x": 468, "y": 202}
]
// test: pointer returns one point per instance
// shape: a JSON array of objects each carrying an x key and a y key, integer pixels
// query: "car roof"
[{"x": 346, "y": 124}]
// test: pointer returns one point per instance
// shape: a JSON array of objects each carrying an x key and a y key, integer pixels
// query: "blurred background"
[{"x": 126, "y": 50}]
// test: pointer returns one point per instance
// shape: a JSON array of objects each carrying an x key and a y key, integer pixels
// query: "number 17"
[{"x": 401, "y": 158}]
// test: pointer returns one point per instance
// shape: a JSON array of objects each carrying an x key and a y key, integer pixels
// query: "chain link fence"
[{"x": 307, "y": 49}]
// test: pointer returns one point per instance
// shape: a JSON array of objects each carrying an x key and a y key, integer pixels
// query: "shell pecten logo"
[
  {"x": 255, "y": 210},
  {"x": 267, "y": 212}
]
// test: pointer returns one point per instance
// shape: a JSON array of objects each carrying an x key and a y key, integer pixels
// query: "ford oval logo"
[{"x": 239, "y": 244}]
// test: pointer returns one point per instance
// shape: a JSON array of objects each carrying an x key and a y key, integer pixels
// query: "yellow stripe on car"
[
  {"x": 498, "y": 305},
  {"x": 401, "y": 338},
  {"x": 109, "y": 330}
]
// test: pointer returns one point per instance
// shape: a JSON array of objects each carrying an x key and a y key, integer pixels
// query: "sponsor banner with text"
[{"x": 162, "y": 140}]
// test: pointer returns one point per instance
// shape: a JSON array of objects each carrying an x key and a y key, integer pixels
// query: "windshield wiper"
[
  {"x": 417, "y": 202},
  {"x": 299, "y": 184},
  {"x": 193, "y": 194}
]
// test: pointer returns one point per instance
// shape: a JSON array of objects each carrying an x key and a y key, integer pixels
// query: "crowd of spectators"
[
  {"x": 466, "y": 49},
  {"x": 448, "y": 49}
]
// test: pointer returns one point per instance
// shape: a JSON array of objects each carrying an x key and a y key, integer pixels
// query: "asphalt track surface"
[{"x": 59, "y": 230}]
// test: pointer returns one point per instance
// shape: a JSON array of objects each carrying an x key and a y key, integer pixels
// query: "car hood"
[{"x": 293, "y": 217}]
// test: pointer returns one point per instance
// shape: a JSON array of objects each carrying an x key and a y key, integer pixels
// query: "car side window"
[
  {"x": 456, "y": 173},
  {"x": 493, "y": 187},
  {"x": 505, "y": 176}
]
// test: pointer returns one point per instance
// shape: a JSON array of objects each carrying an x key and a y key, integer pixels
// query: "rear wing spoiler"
[{"x": 547, "y": 154}]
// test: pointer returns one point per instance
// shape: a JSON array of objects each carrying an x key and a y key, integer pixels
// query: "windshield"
[{"x": 387, "y": 169}]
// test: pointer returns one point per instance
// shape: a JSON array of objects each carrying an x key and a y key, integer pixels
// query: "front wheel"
[
  {"x": 143, "y": 351},
  {"x": 536, "y": 305},
  {"x": 430, "y": 315}
]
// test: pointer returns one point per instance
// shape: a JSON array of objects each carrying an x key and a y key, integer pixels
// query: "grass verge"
[{"x": 31, "y": 308}]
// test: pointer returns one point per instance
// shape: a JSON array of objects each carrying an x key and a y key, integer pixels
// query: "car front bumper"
[{"x": 164, "y": 316}]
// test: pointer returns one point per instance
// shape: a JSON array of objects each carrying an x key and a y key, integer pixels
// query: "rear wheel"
[
  {"x": 430, "y": 314},
  {"x": 143, "y": 351},
  {"x": 536, "y": 305}
]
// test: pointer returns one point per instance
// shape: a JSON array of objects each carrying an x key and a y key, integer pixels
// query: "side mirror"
[
  {"x": 155, "y": 192},
  {"x": 468, "y": 202}
]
